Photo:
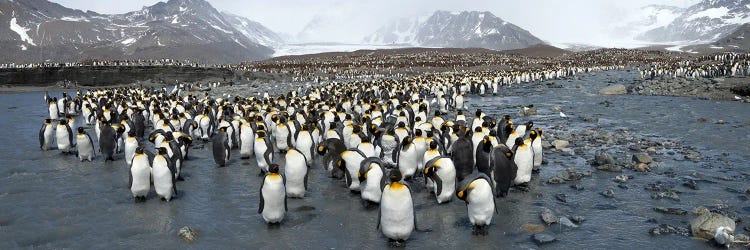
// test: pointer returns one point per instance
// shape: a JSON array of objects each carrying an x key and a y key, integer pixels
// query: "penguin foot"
[
  {"x": 179, "y": 178},
  {"x": 163, "y": 199},
  {"x": 484, "y": 230},
  {"x": 262, "y": 173},
  {"x": 369, "y": 204},
  {"x": 396, "y": 243},
  {"x": 245, "y": 157},
  {"x": 475, "y": 230}
]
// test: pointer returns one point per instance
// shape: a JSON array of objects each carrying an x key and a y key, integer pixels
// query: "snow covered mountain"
[
  {"x": 706, "y": 21},
  {"x": 254, "y": 31},
  {"x": 455, "y": 29},
  {"x": 646, "y": 18},
  {"x": 39, "y": 30}
]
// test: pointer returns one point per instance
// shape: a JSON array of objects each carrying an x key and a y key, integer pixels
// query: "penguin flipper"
[
  {"x": 262, "y": 201},
  {"x": 92, "y": 143},
  {"x": 380, "y": 212},
  {"x": 306, "y": 174},
  {"x": 130, "y": 178},
  {"x": 267, "y": 155},
  {"x": 283, "y": 179},
  {"x": 438, "y": 184},
  {"x": 70, "y": 134},
  {"x": 41, "y": 136}
]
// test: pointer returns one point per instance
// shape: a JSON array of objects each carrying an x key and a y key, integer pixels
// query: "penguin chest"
[
  {"x": 481, "y": 205},
  {"x": 396, "y": 212},
  {"x": 295, "y": 172},
  {"x": 372, "y": 190},
  {"x": 273, "y": 193}
]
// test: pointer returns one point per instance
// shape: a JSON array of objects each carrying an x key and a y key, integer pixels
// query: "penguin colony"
[{"x": 380, "y": 138}]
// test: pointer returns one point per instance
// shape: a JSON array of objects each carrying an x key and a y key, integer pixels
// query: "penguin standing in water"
[
  {"x": 442, "y": 172},
  {"x": 407, "y": 158},
  {"x": 263, "y": 151},
  {"x": 523, "y": 156},
  {"x": 46, "y": 135},
  {"x": 107, "y": 141},
  {"x": 273, "y": 196},
  {"x": 476, "y": 191},
  {"x": 140, "y": 175},
  {"x": 331, "y": 150},
  {"x": 295, "y": 172},
  {"x": 220, "y": 147},
  {"x": 163, "y": 172},
  {"x": 131, "y": 143},
  {"x": 397, "y": 216},
  {"x": 64, "y": 136},
  {"x": 371, "y": 175},
  {"x": 247, "y": 141},
  {"x": 536, "y": 146},
  {"x": 463, "y": 157},
  {"x": 85, "y": 146},
  {"x": 504, "y": 169}
]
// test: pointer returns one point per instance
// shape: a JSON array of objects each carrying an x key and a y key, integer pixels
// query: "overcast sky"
[{"x": 583, "y": 21}]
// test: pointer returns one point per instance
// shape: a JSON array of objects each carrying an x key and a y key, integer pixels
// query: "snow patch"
[
  {"x": 74, "y": 19},
  {"x": 176, "y": 19},
  {"x": 710, "y": 13},
  {"x": 219, "y": 28},
  {"x": 21, "y": 31},
  {"x": 677, "y": 48},
  {"x": 183, "y": 9},
  {"x": 23, "y": 47},
  {"x": 716, "y": 47},
  {"x": 128, "y": 41}
]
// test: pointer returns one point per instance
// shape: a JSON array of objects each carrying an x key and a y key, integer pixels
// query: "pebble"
[
  {"x": 560, "y": 144},
  {"x": 670, "y": 210},
  {"x": 621, "y": 178},
  {"x": 562, "y": 197},
  {"x": 609, "y": 168},
  {"x": 672, "y": 195},
  {"x": 542, "y": 238},
  {"x": 642, "y": 158},
  {"x": 566, "y": 222},
  {"x": 533, "y": 228},
  {"x": 577, "y": 186},
  {"x": 642, "y": 167},
  {"x": 548, "y": 216},
  {"x": 668, "y": 229},
  {"x": 578, "y": 219},
  {"x": 568, "y": 151},
  {"x": 603, "y": 158},
  {"x": 609, "y": 193},
  {"x": 692, "y": 184},
  {"x": 188, "y": 234}
]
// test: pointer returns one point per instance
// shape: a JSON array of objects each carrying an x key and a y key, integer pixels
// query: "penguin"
[
  {"x": 247, "y": 141},
  {"x": 263, "y": 151},
  {"x": 163, "y": 172},
  {"x": 46, "y": 135},
  {"x": 397, "y": 217},
  {"x": 389, "y": 145},
  {"x": 220, "y": 147},
  {"x": 476, "y": 138},
  {"x": 476, "y": 191},
  {"x": 131, "y": 143},
  {"x": 331, "y": 150},
  {"x": 64, "y": 136},
  {"x": 140, "y": 175},
  {"x": 371, "y": 175},
  {"x": 305, "y": 144},
  {"x": 483, "y": 156},
  {"x": 536, "y": 146},
  {"x": 504, "y": 169},
  {"x": 350, "y": 163},
  {"x": 84, "y": 145},
  {"x": 282, "y": 136},
  {"x": 523, "y": 156},
  {"x": 107, "y": 141},
  {"x": 420, "y": 144},
  {"x": 463, "y": 157},
  {"x": 273, "y": 204},
  {"x": 295, "y": 172},
  {"x": 442, "y": 172},
  {"x": 53, "y": 110},
  {"x": 512, "y": 136},
  {"x": 407, "y": 158}
]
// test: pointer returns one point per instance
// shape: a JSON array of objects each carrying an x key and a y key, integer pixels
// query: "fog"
[{"x": 348, "y": 21}]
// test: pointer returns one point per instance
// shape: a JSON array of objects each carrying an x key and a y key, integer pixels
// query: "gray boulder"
[
  {"x": 616, "y": 89},
  {"x": 705, "y": 225}
]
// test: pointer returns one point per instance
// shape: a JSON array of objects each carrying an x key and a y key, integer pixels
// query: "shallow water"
[{"x": 49, "y": 200}]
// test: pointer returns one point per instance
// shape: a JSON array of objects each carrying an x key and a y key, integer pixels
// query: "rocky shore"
[{"x": 707, "y": 88}]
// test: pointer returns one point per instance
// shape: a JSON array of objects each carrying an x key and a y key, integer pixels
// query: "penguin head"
[
  {"x": 478, "y": 113},
  {"x": 519, "y": 141},
  {"x": 418, "y": 132},
  {"x": 80, "y": 130},
  {"x": 223, "y": 129},
  {"x": 322, "y": 149},
  {"x": 532, "y": 134},
  {"x": 406, "y": 141},
  {"x": 433, "y": 145},
  {"x": 401, "y": 125},
  {"x": 437, "y": 113},
  {"x": 273, "y": 168},
  {"x": 486, "y": 144},
  {"x": 63, "y": 121},
  {"x": 529, "y": 124},
  {"x": 478, "y": 130},
  {"x": 539, "y": 132},
  {"x": 168, "y": 136},
  {"x": 394, "y": 175},
  {"x": 162, "y": 151},
  {"x": 139, "y": 150},
  {"x": 430, "y": 170},
  {"x": 47, "y": 121}
]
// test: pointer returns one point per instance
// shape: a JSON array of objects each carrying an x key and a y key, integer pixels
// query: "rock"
[
  {"x": 621, "y": 178},
  {"x": 546, "y": 144},
  {"x": 670, "y": 210},
  {"x": 642, "y": 167},
  {"x": 578, "y": 219},
  {"x": 701, "y": 120},
  {"x": 747, "y": 191},
  {"x": 188, "y": 234},
  {"x": 720, "y": 122},
  {"x": 548, "y": 216},
  {"x": 566, "y": 222},
  {"x": 603, "y": 158},
  {"x": 577, "y": 187},
  {"x": 542, "y": 238},
  {"x": 609, "y": 193},
  {"x": 692, "y": 184},
  {"x": 609, "y": 168},
  {"x": 672, "y": 195},
  {"x": 623, "y": 186},
  {"x": 616, "y": 89},
  {"x": 562, "y": 197},
  {"x": 568, "y": 151},
  {"x": 527, "y": 111},
  {"x": 556, "y": 180},
  {"x": 664, "y": 229},
  {"x": 533, "y": 228},
  {"x": 560, "y": 144},
  {"x": 705, "y": 225},
  {"x": 555, "y": 108},
  {"x": 642, "y": 158}
]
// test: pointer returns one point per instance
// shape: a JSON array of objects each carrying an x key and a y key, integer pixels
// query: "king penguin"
[
  {"x": 46, "y": 135},
  {"x": 163, "y": 172},
  {"x": 64, "y": 136},
  {"x": 397, "y": 217},
  {"x": 140, "y": 175},
  {"x": 407, "y": 158},
  {"x": 350, "y": 164},
  {"x": 463, "y": 157},
  {"x": 273, "y": 196},
  {"x": 84, "y": 145},
  {"x": 523, "y": 156},
  {"x": 220, "y": 147},
  {"x": 371, "y": 177},
  {"x": 442, "y": 172},
  {"x": 483, "y": 156},
  {"x": 107, "y": 141},
  {"x": 295, "y": 172},
  {"x": 476, "y": 191},
  {"x": 536, "y": 146},
  {"x": 263, "y": 151},
  {"x": 504, "y": 169}
]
